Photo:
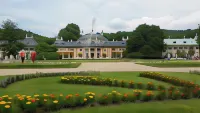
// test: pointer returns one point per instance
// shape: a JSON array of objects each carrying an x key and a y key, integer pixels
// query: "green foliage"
[
  {"x": 9, "y": 33},
  {"x": 191, "y": 52},
  {"x": 148, "y": 40},
  {"x": 44, "y": 47},
  {"x": 47, "y": 56},
  {"x": 181, "y": 54},
  {"x": 70, "y": 32}
]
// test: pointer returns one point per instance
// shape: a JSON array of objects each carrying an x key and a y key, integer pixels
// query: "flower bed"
[
  {"x": 95, "y": 80},
  {"x": 172, "y": 80},
  {"x": 51, "y": 102},
  {"x": 12, "y": 79}
]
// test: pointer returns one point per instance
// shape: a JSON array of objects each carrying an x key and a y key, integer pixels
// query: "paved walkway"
[{"x": 99, "y": 66}]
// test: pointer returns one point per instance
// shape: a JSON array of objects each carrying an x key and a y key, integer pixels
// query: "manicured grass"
[
  {"x": 176, "y": 106},
  {"x": 38, "y": 65},
  {"x": 88, "y": 60},
  {"x": 172, "y": 64},
  {"x": 52, "y": 85}
]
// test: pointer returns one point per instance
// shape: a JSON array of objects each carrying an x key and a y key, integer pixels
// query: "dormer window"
[
  {"x": 174, "y": 42},
  {"x": 184, "y": 42}
]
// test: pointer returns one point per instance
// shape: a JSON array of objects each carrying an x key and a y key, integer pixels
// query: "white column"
[
  {"x": 89, "y": 54},
  {"x": 95, "y": 53},
  {"x": 121, "y": 55},
  {"x": 68, "y": 55}
]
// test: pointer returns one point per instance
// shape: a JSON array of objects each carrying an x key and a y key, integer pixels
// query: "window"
[
  {"x": 31, "y": 48},
  {"x": 113, "y": 49},
  {"x": 80, "y": 49},
  {"x": 180, "y": 47},
  {"x": 184, "y": 41},
  {"x": 174, "y": 42},
  {"x": 25, "y": 48},
  {"x": 104, "y": 49},
  {"x": 175, "y": 47},
  {"x": 191, "y": 47},
  {"x": 120, "y": 49},
  {"x": 71, "y": 49},
  {"x": 169, "y": 48},
  {"x": 197, "y": 47},
  {"x": 185, "y": 47}
]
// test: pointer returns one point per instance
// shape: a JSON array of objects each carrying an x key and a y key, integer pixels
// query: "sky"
[{"x": 47, "y": 17}]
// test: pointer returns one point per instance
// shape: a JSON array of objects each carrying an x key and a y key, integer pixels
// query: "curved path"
[{"x": 99, "y": 66}]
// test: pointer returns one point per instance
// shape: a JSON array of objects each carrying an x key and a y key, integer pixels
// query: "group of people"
[{"x": 22, "y": 54}]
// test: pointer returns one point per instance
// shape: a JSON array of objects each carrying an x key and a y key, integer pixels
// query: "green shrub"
[{"x": 48, "y": 56}]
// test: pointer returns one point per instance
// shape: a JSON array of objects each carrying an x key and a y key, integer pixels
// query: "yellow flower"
[
  {"x": 28, "y": 102},
  {"x": 45, "y": 95},
  {"x": 29, "y": 99},
  {"x": 37, "y": 99},
  {"x": 5, "y": 96},
  {"x": 91, "y": 96},
  {"x": 7, "y": 106},
  {"x": 2, "y": 102},
  {"x": 85, "y": 99},
  {"x": 28, "y": 96},
  {"x": 114, "y": 91},
  {"x": 9, "y": 98},
  {"x": 8, "y": 102},
  {"x": 61, "y": 95},
  {"x": 45, "y": 100},
  {"x": 55, "y": 101},
  {"x": 36, "y": 95}
]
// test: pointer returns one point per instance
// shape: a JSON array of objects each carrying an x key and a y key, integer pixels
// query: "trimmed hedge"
[
  {"x": 30, "y": 66},
  {"x": 12, "y": 79},
  {"x": 48, "y": 56}
]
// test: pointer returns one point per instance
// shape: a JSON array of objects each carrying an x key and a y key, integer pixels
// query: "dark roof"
[
  {"x": 29, "y": 42},
  {"x": 26, "y": 41},
  {"x": 93, "y": 37},
  {"x": 60, "y": 43}
]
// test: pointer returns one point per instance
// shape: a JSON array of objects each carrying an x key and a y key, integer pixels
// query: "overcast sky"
[{"x": 47, "y": 17}]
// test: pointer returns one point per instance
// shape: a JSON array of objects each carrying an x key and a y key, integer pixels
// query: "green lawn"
[
  {"x": 176, "y": 106},
  {"x": 172, "y": 64},
  {"x": 51, "y": 85}
]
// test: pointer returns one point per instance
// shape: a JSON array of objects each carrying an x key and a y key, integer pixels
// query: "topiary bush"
[{"x": 48, "y": 56}]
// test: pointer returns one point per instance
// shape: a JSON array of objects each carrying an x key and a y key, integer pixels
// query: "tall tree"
[
  {"x": 70, "y": 32},
  {"x": 198, "y": 40},
  {"x": 9, "y": 33},
  {"x": 148, "y": 40}
]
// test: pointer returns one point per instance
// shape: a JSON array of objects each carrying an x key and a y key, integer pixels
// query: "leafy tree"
[
  {"x": 191, "y": 52},
  {"x": 70, "y": 32},
  {"x": 198, "y": 40},
  {"x": 148, "y": 40},
  {"x": 44, "y": 47},
  {"x": 10, "y": 34}
]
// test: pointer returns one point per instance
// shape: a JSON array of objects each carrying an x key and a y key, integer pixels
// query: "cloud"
[{"x": 47, "y": 17}]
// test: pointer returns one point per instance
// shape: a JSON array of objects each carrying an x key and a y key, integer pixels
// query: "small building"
[
  {"x": 184, "y": 44},
  {"x": 90, "y": 46},
  {"x": 29, "y": 43}
]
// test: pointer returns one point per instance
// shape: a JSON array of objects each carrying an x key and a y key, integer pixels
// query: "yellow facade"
[{"x": 91, "y": 53}]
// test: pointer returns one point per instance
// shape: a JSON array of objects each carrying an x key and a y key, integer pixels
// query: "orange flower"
[
  {"x": 77, "y": 95},
  {"x": 105, "y": 97},
  {"x": 125, "y": 95}
]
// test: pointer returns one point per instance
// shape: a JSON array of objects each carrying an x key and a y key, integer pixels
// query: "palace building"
[
  {"x": 91, "y": 46},
  {"x": 96, "y": 46},
  {"x": 184, "y": 44}
]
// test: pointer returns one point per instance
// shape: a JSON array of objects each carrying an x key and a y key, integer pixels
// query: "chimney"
[
  {"x": 127, "y": 37},
  {"x": 26, "y": 36},
  {"x": 184, "y": 37},
  {"x": 122, "y": 38},
  {"x": 71, "y": 40},
  {"x": 113, "y": 40},
  {"x": 61, "y": 38},
  {"x": 68, "y": 40}
]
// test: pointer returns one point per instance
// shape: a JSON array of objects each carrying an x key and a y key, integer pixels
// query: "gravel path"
[{"x": 104, "y": 67}]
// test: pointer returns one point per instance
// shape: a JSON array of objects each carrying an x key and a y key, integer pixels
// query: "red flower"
[
  {"x": 0, "y": 98},
  {"x": 33, "y": 100},
  {"x": 183, "y": 95},
  {"x": 67, "y": 97}
]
